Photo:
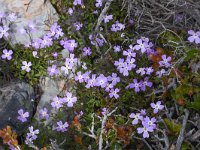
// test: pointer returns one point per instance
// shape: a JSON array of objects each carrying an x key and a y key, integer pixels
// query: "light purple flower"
[
  {"x": 194, "y": 36},
  {"x": 57, "y": 102},
  {"x": 70, "y": 11},
  {"x": 79, "y": 77},
  {"x": 87, "y": 51},
  {"x": 62, "y": 127},
  {"x": 145, "y": 130},
  {"x": 141, "y": 71},
  {"x": 7, "y": 54},
  {"x": 69, "y": 45},
  {"x": 68, "y": 66},
  {"x": 143, "y": 112},
  {"x": 4, "y": 31},
  {"x": 157, "y": 106},
  {"x": 130, "y": 61},
  {"x": 26, "y": 66},
  {"x": 117, "y": 48},
  {"x": 69, "y": 99},
  {"x": 43, "y": 113},
  {"x": 141, "y": 45},
  {"x": 12, "y": 17},
  {"x": 78, "y": 26},
  {"x": 101, "y": 81},
  {"x": 52, "y": 70},
  {"x": 160, "y": 73},
  {"x": 113, "y": 93},
  {"x": 22, "y": 115},
  {"x": 98, "y": 3},
  {"x": 136, "y": 117},
  {"x": 135, "y": 85},
  {"x": 32, "y": 135},
  {"x": 149, "y": 122},
  {"x": 91, "y": 82},
  {"x": 149, "y": 70},
  {"x": 107, "y": 18},
  {"x": 145, "y": 83},
  {"x": 114, "y": 79},
  {"x": 165, "y": 61},
  {"x": 129, "y": 53}
]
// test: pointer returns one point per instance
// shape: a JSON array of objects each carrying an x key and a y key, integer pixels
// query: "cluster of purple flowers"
[
  {"x": 106, "y": 83},
  {"x": 32, "y": 135},
  {"x": 117, "y": 26},
  {"x": 165, "y": 62},
  {"x": 141, "y": 85},
  {"x": 69, "y": 100},
  {"x": 148, "y": 124},
  {"x": 47, "y": 40}
]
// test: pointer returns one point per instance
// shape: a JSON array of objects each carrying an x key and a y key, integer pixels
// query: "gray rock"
[
  {"x": 43, "y": 15},
  {"x": 14, "y": 96}
]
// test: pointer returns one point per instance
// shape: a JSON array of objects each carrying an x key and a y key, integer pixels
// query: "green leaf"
[{"x": 173, "y": 127}]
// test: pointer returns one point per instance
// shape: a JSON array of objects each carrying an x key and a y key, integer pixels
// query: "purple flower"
[
  {"x": 26, "y": 66},
  {"x": 45, "y": 42},
  {"x": 117, "y": 48},
  {"x": 136, "y": 117},
  {"x": 52, "y": 70},
  {"x": 4, "y": 31},
  {"x": 22, "y": 115},
  {"x": 160, "y": 73},
  {"x": 135, "y": 85},
  {"x": 91, "y": 82},
  {"x": 36, "y": 43},
  {"x": 101, "y": 81},
  {"x": 141, "y": 71},
  {"x": 79, "y": 77},
  {"x": 141, "y": 45},
  {"x": 145, "y": 130},
  {"x": 157, "y": 107},
  {"x": 7, "y": 54},
  {"x": 195, "y": 36},
  {"x": 145, "y": 83},
  {"x": 68, "y": 66},
  {"x": 31, "y": 27},
  {"x": 87, "y": 51},
  {"x": 130, "y": 61},
  {"x": 69, "y": 45},
  {"x": 107, "y": 18},
  {"x": 113, "y": 93},
  {"x": 143, "y": 112},
  {"x": 69, "y": 99},
  {"x": 12, "y": 17},
  {"x": 62, "y": 127},
  {"x": 98, "y": 3},
  {"x": 86, "y": 76},
  {"x": 57, "y": 102},
  {"x": 114, "y": 79},
  {"x": 70, "y": 11},
  {"x": 165, "y": 61},
  {"x": 149, "y": 122},
  {"x": 149, "y": 70},
  {"x": 104, "y": 111},
  {"x": 77, "y": 2},
  {"x": 129, "y": 53},
  {"x": 78, "y": 25},
  {"x": 117, "y": 27},
  {"x": 43, "y": 114},
  {"x": 32, "y": 135},
  {"x": 54, "y": 54}
]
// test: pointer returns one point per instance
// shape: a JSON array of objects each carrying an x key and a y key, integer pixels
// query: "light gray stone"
[
  {"x": 14, "y": 96},
  {"x": 43, "y": 15}
]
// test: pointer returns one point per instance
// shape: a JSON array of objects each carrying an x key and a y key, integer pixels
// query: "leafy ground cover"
[{"x": 131, "y": 90}]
